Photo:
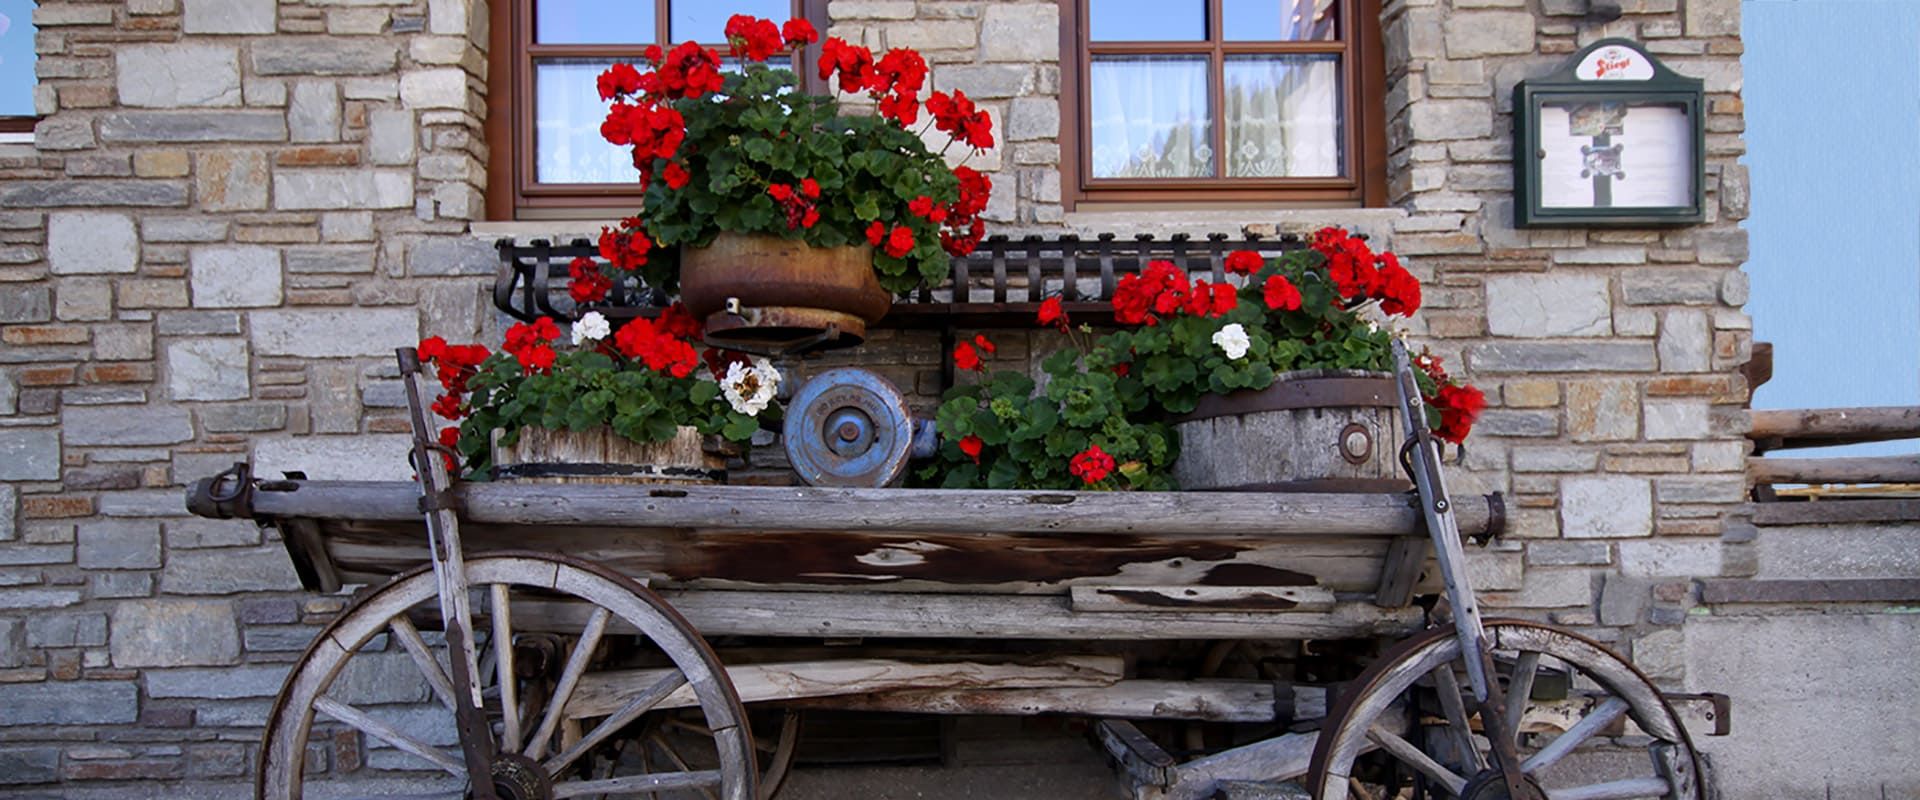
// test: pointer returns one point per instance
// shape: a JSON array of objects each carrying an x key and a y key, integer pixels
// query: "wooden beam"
[
  {"x": 1400, "y": 571},
  {"x": 602, "y": 693},
  {"x": 1170, "y": 599},
  {"x": 1810, "y": 426},
  {"x": 1143, "y": 764},
  {"x": 805, "y": 511},
  {"x": 1851, "y": 590},
  {"x": 1837, "y": 469},
  {"x": 1830, "y": 511},
  {"x": 1279, "y": 758},
  {"x": 1207, "y": 700},
  {"x": 927, "y": 615}
]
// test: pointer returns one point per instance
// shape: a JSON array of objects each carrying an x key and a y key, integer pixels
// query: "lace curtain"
[
  {"x": 1151, "y": 117},
  {"x": 567, "y": 111}
]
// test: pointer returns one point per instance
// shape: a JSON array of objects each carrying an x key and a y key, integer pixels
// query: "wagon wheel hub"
[
  {"x": 516, "y": 777},
  {"x": 1488, "y": 785}
]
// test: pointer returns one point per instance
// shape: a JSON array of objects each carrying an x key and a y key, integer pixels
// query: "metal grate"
[{"x": 1002, "y": 282}]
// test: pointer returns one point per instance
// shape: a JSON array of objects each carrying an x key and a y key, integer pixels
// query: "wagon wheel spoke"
[
  {"x": 673, "y": 757},
  {"x": 416, "y": 647},
  {"x": 1413, "y": 757},
  {"x": 1615, "y": 790},
  {"x": 640, "y": 704},
  {"x": 503, "y": 660},
  {"x": 703, "y": 780},
  {"x": 1525, "y": 669},
  {"x": 569, "y": 678},
  {"x": 366, "y": 724},
  {"x": 1448, "y": 687},
  {"x": 1563, "y": 744}
]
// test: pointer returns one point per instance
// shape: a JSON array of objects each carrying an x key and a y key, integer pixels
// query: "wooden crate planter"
[
  {"x": 1311, "y": 431},
  {"x": 542, "y": 455}
]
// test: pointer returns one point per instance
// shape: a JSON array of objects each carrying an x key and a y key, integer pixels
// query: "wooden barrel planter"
[
  {"x": 1311, "y": 431},
  {"x": 765, "y": 293},
  {"x": 542, "y": 455}
]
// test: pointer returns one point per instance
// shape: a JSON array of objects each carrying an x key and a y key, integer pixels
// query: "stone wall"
[{"x": 234, "y": 210}]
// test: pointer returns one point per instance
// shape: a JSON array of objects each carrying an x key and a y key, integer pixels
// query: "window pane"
[
  {"x": 567, "y": 112},
  {"x": 1147, "y": 20},
  {"x": 706, "y": 22},
  {"x": 16, "y": 58},
  {"x": 1283, "y": 117},
  {"x": 1278, "y": 20},
  {"x": 1151, "y": 117},
  {"x": 593, "y": 22}
]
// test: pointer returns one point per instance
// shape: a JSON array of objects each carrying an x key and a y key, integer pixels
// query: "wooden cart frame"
[{"x": 1455, "y": 710}]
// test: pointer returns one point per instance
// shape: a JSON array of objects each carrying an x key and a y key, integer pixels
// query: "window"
[
  {"x": 16, "y": 70},
  {"x": 1223, "y": 100},
  {"x": 543, "y": 111}
]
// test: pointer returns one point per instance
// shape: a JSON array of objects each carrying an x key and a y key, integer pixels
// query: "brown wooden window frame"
[
  {"x": 1363, "y": 107},
  {"x": 511, "y": 188}
]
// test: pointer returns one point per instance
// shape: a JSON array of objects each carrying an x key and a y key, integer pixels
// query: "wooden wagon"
[{"x": 557, "y": 640}]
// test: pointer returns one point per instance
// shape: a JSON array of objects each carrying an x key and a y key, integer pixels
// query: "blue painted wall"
[{"x": 1832, "y": 90}]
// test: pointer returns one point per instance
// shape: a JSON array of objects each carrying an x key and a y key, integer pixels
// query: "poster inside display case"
[{"x": 1611, "y": 138}]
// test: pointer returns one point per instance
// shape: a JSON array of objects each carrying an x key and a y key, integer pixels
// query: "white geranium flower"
[
  {"x": 1232, "y": 339},
  {"x": 591, "y": 328},
  {"x": 750, "y": 389}
]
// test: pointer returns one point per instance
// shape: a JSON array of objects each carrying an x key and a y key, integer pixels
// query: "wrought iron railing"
[{"x": 1001, "y": 283}]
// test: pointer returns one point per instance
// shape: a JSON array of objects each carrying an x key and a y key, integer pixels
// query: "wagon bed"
[{"x": 793, "y": 561}]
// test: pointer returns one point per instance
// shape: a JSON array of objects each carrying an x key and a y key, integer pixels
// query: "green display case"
[{"x": 1610, "y": 138}]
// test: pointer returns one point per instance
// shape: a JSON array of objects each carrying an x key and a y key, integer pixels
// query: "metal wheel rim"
[
  {"x": 294, "y": 713},
  {"x": 1344, "y": 737}
]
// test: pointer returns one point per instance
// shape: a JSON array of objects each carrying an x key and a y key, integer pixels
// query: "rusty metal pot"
[{"x": 767, "y": 294}]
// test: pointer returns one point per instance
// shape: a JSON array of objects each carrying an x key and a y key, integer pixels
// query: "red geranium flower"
[
  {"x": 876, "y": 233},
  {"x": 1400, "y": 291},
  {"x": 624, "y": 249},
  {"x": 618, "y": 81},
  {"x": 900, "y": 241},
  {"x": 957, "y": 116},
  {"x": 986, "y": 345},
  {"x": 965, "y": 357},
  {"x": 799, "y": 33},
  {"x": 755, "y": 38},
  {"x": 853, "y": 62},
  {"x": 677, "y": 321},
  {"x": 1052, "y": 314},
  {"x": 1244, "y": 262},
  {"x": 450, "y": 436},
  {"x": 1092, "y": 465},
  {"x": 810, "y": 188},
  {"x": 432, "y": 348},
  {"x": 588, "y": 284},
  {"x": 675, "y": 175},
  {"x": 970, "y": 445},
  {"x": 448, "y": 406},
  {"x": 646, "y": 342},
  {"x": 1459, "y": 407},
  {"x": 1281, "y": 294}
]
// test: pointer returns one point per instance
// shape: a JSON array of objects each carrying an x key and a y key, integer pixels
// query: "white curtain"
[
  {"x": 1150, "y": 117},
  {"x": 567, "y": 112},
  {"x": 1283, "y": 116}
]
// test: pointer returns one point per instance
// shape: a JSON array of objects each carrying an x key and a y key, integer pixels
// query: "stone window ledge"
[{"x": 1124, "y": 224}]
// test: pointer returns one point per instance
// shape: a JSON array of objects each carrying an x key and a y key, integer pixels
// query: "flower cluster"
[
  {"x": 531, "y": 344},
  {"x": 967, "y": 355},
  {"x": 742, "y": 151},
  {"x": 1163, "y": 290},
  {"x": 1361, "y": 274},
  {"x": 641, "y": 379},
  {"x": 1092, "y": 465},
  {"x": 1455, "y": 405}
]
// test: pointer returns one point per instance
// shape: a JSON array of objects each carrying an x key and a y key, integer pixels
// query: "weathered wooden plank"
[
  {"x": 896, "y": 562},
  {"x": 1830, "y": 511},
  {"x": 1208, "y": 700},
  {"x": 1147, "y": 599},
  {"x": 816, "y": 509},
  {"x": 603, "y": 693},
  {"x": 1836, "y": 469},
  {"x": 1143, "y": 764},
  {"x": 944, "y": 616},
  {"x": 1279, "y": 758},
  {"x": 1820, "y": 427},
  {"x": 1849, "y": 590},
  {"x": 1400, "y": 571}
]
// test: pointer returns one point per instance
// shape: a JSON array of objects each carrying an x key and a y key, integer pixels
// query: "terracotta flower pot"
[
  {"x": 769, "y": 294},
  {"x": 1311, "y": 431}
]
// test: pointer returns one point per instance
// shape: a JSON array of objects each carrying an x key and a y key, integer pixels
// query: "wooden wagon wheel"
[
  {"x": 1414, "y": 689},
  {"x": 665, "y": 735},
  {"x": 537, "y": 756}
]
